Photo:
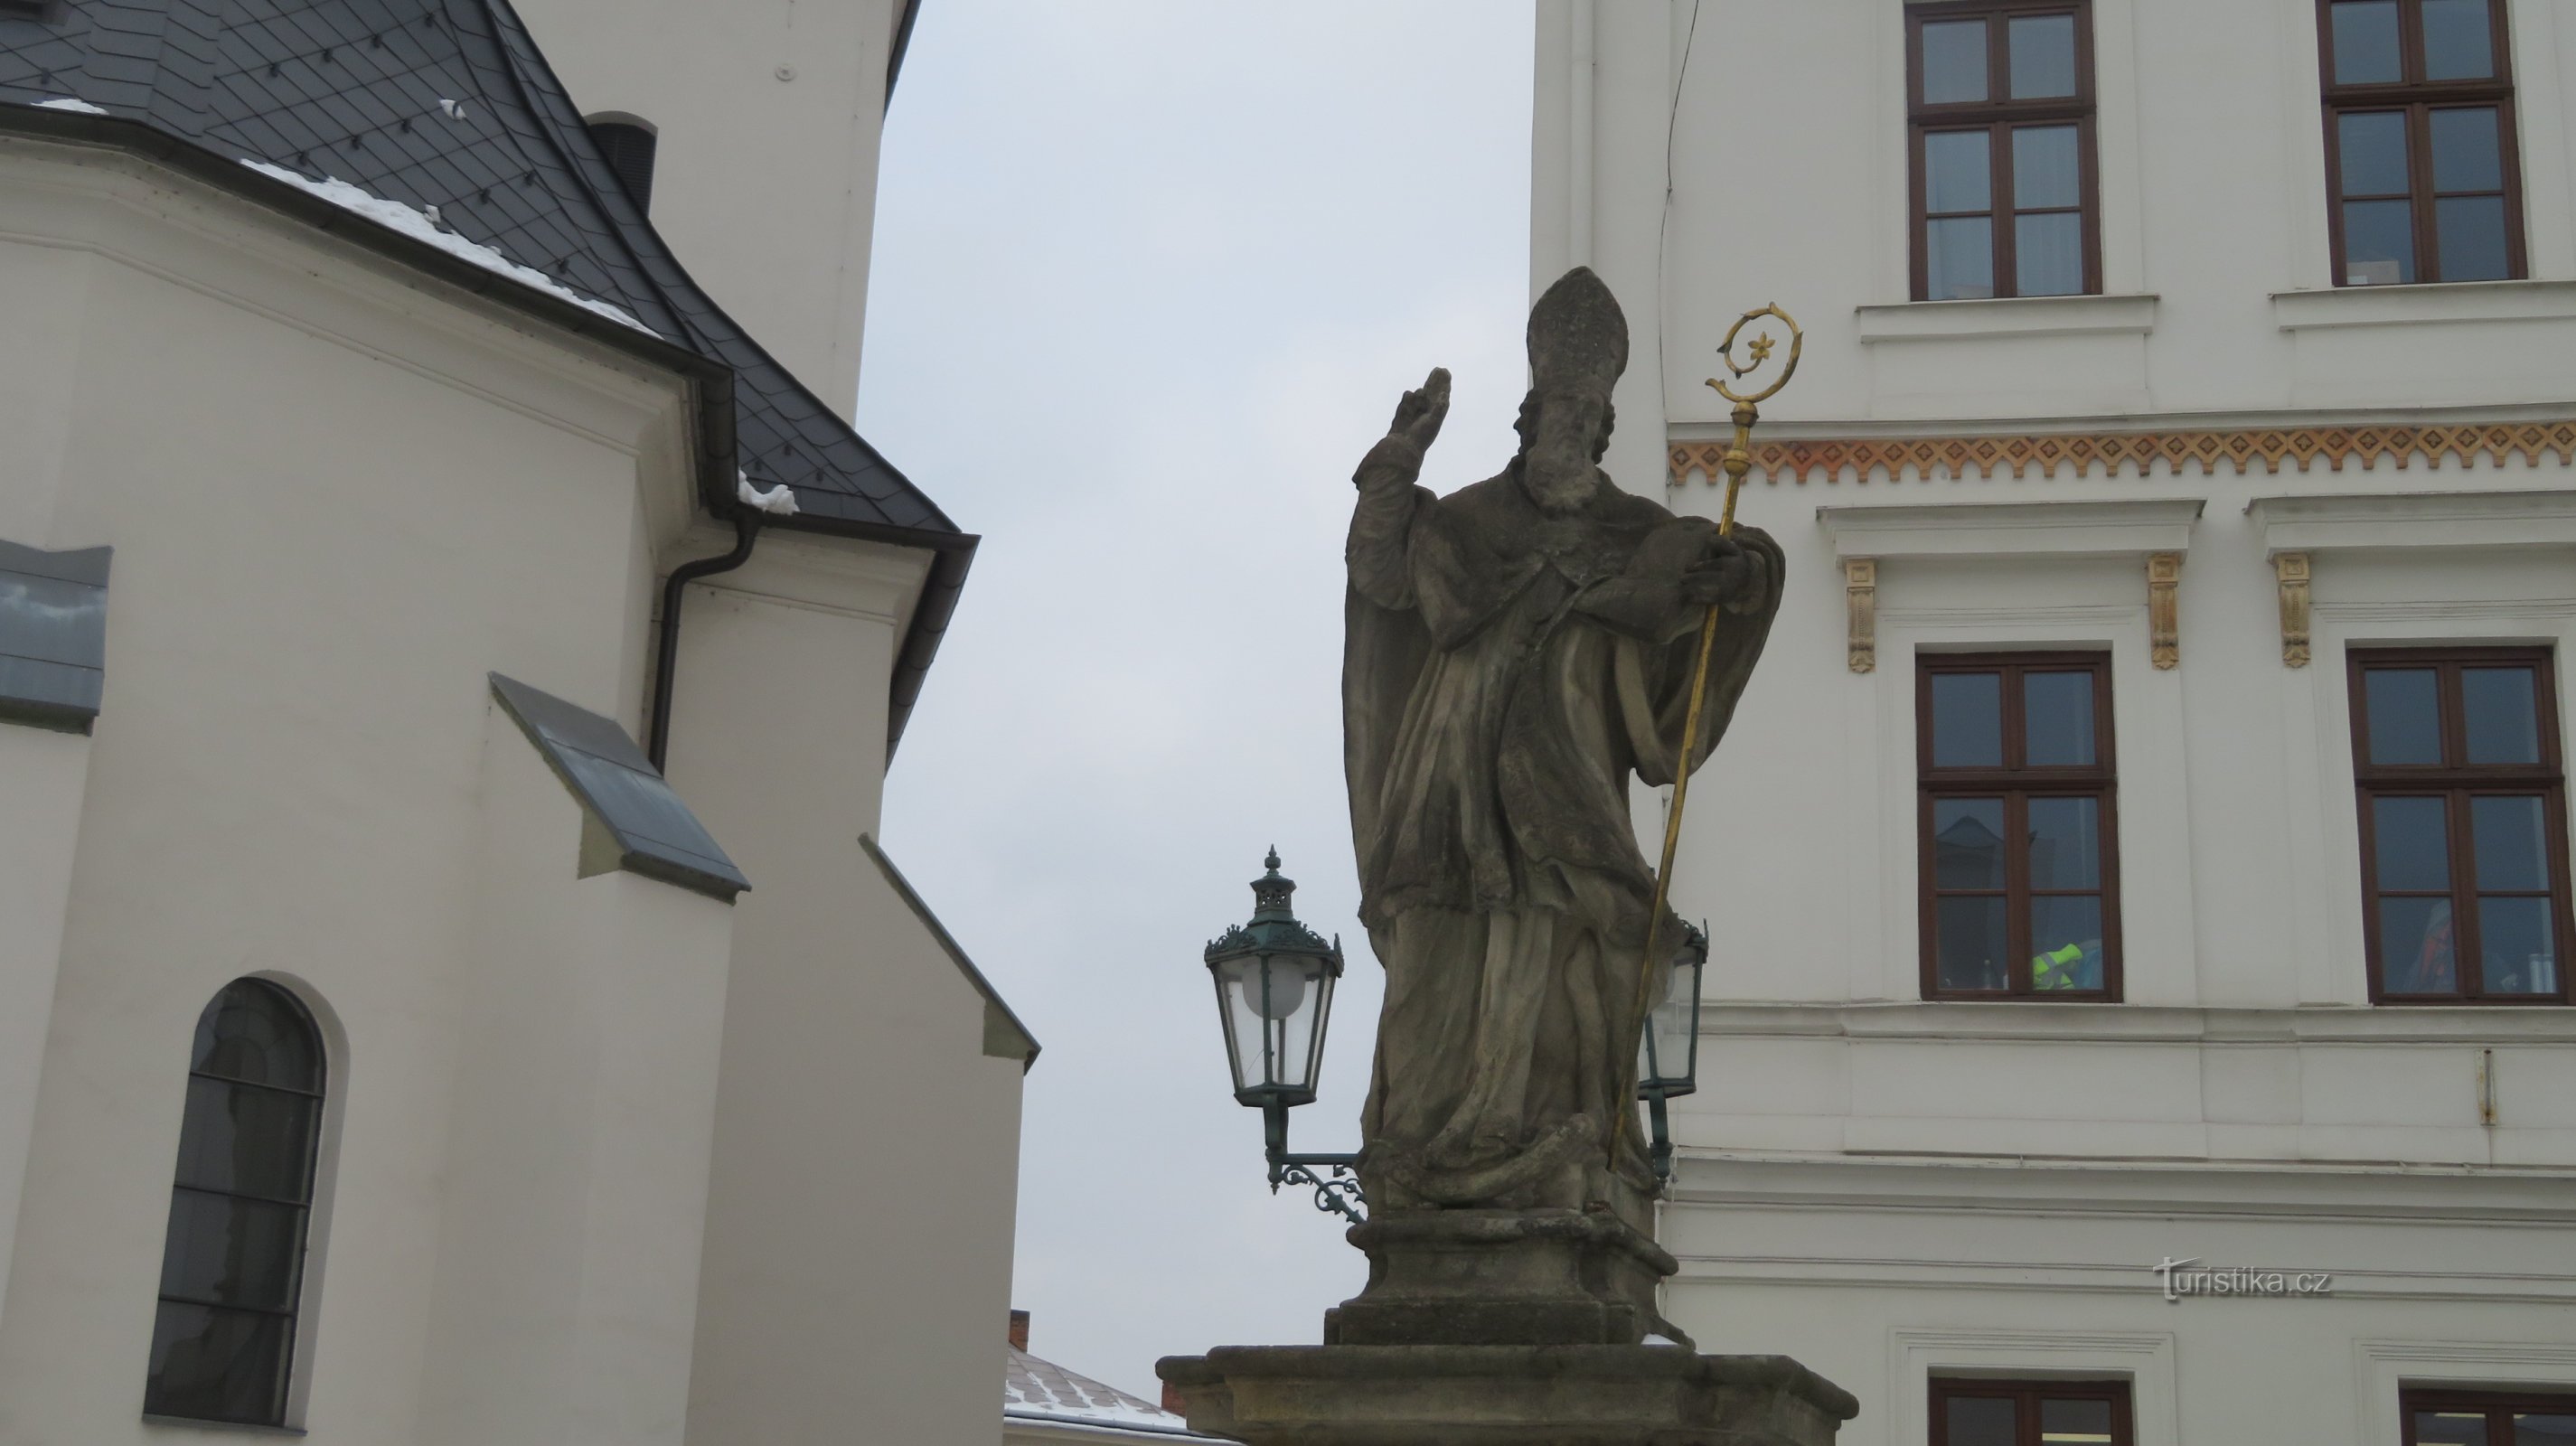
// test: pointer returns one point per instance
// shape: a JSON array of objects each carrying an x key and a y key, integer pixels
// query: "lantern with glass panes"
[
  {"x": 1274, "y": 996},
  {"x": 1668, "y": 1054}
]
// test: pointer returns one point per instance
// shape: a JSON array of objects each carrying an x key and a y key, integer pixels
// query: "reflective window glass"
[
  {"x": 2405, "y": 715},
  {"x": 1982, "y": 1421},
  {"x": 2450, "y": 1428},
  {"x": 2545, "y": 1428},
  {"x": 2048, "y": 255},
  {"x": 230, "y": 1251},
  {"x": 210, "y": 1364},
  {"x": 2043, "y": 56},
  {"x": 2459, "y": 40},
  {"x": 2378, "y": 243},
  {"x": 2057, "y": 712},
  {"x": 1973, "y": 953},
  {"x": 1960, "y": 258},
  {"x": 1967, "y": 720},
  {"x": 2470, "y": 230},
  {"x": 2517, "y": 952},
  {"x": 2512, "y": 838},
  {"x": 2365, "y": 42},
  {"x": 2413, "y": 839},
  {"x": 2372, "y": 152},
  {"x": 2467, "y": 152},
  {"x": 2503, "y": 714},
  {"x": 2065, "y": 843},
  {"x": 1958, "y": 172},
  {"x": 254, "y": 1034},
  {"x": 2075, "y": 1423},
  {"x": 1954, "y": 62},
  {"x": 232, "y": 1262},
  {"x": 1968, "y": 843},
  {"x": 2415, "y": 946},
  {"x": 2047, "y": 171},
  {"x": 2066, "y": 942}
]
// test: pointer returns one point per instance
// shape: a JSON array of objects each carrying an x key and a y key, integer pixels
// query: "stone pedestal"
[
  {"x": 1505, "y": 1396},
  {"x": 1504, "y": 1328},
  {"x": 1504, "y": 1277}
]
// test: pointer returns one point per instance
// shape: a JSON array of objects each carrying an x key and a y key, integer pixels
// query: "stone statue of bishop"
[{"x": 1515, "y": 650}]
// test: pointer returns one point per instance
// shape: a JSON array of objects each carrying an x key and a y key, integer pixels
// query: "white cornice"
[
  {"x": 2012, "y": 529},
  {"x": 2416, "y": 519}
]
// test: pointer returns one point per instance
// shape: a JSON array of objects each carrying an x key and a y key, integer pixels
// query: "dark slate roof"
[
  {"x": 53, "y": 635},
  {"x": 650, "y": 831},
  {"x": 447, "y": 103}
]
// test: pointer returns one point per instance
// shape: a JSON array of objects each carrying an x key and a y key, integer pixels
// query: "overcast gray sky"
[{"x": 1149, "y": 278}]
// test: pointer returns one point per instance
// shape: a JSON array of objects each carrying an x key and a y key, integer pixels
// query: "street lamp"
[
  {"x": 1668, "y": 1054},
  {"x": 1274, "y": 995}
]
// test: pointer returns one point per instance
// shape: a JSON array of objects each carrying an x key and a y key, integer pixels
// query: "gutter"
[{"x": 666, "y": 658}]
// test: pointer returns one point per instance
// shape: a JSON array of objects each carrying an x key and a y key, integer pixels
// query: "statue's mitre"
[{"x": 1578, "y": 338}]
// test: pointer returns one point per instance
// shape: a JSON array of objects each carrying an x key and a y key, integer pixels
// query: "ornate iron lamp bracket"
[{"x": 1337, "y": 1192}]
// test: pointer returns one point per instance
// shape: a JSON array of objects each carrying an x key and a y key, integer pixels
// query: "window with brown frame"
[
  {"x": 2000, "y": 95},
  {"x": 2420, "y": 152},
  {"x": 2463, "y": 824},
  {"x": 2019, "y": 858},
  {"x": 2487, "y": 1418},
  {"x": 1968, "y": 1412}
]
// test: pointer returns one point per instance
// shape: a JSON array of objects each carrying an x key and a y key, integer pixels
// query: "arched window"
[
  {"x": 629, "y": 149},
  {"x": 233, "y": 1263}
]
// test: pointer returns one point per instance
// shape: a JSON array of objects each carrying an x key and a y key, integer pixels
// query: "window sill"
[
  {"x": 234, "y": 1428},
  {"x": 2425, "y": 304},
  {"x": 2013, "y": 316}
]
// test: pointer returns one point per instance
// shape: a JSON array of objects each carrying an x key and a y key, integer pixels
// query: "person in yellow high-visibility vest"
[{"x": 2063, "y": 968}]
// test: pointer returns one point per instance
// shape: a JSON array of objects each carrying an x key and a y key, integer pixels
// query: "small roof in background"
[{"x": 1038, "y": 1392}]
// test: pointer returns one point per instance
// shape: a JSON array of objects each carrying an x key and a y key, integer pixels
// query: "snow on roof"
[
  {"x": 71, "y": 103},
  {"x": 1036, "y": 1390},
  {"x": 420, "y": 226}
]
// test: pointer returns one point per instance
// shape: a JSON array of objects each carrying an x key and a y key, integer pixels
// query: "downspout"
[{"x": 746, "y": 531}]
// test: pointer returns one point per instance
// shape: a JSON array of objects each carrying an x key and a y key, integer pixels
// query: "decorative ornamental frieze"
[{"x": 2242, "y": 450}]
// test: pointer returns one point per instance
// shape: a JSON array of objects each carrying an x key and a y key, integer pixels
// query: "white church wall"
[
  {"x": 856, "y": 1087},
  {"x": 767, "y": 116},
  {"x": 41, "y": 777},
  {"x": 340, "y": 495},
  {"x": 575, "y": 1173}
]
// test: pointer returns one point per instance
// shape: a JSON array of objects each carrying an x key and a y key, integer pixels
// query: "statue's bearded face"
[{"x": 1564, "y": 439}]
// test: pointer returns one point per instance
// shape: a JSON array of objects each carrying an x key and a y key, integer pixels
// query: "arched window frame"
[
  {"x": 297, "y": 1197},
  {"x": 631, "y": 146}
]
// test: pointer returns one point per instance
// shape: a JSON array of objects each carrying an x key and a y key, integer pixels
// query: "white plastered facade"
[
  {"x": 1890, "y": 1188},
  {"x": 594, "y": 1147}
]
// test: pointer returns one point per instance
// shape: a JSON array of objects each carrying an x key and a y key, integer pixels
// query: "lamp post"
[
  {"x": 1668, "y": 1054},
  {"x": 1274, "y": 995}
]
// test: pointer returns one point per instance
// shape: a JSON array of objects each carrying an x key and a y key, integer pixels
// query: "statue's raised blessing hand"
[{"x": 1419, "y": 415}]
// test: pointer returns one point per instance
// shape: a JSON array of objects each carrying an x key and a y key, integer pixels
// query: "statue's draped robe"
[{"x": 1492, "y": 716}]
